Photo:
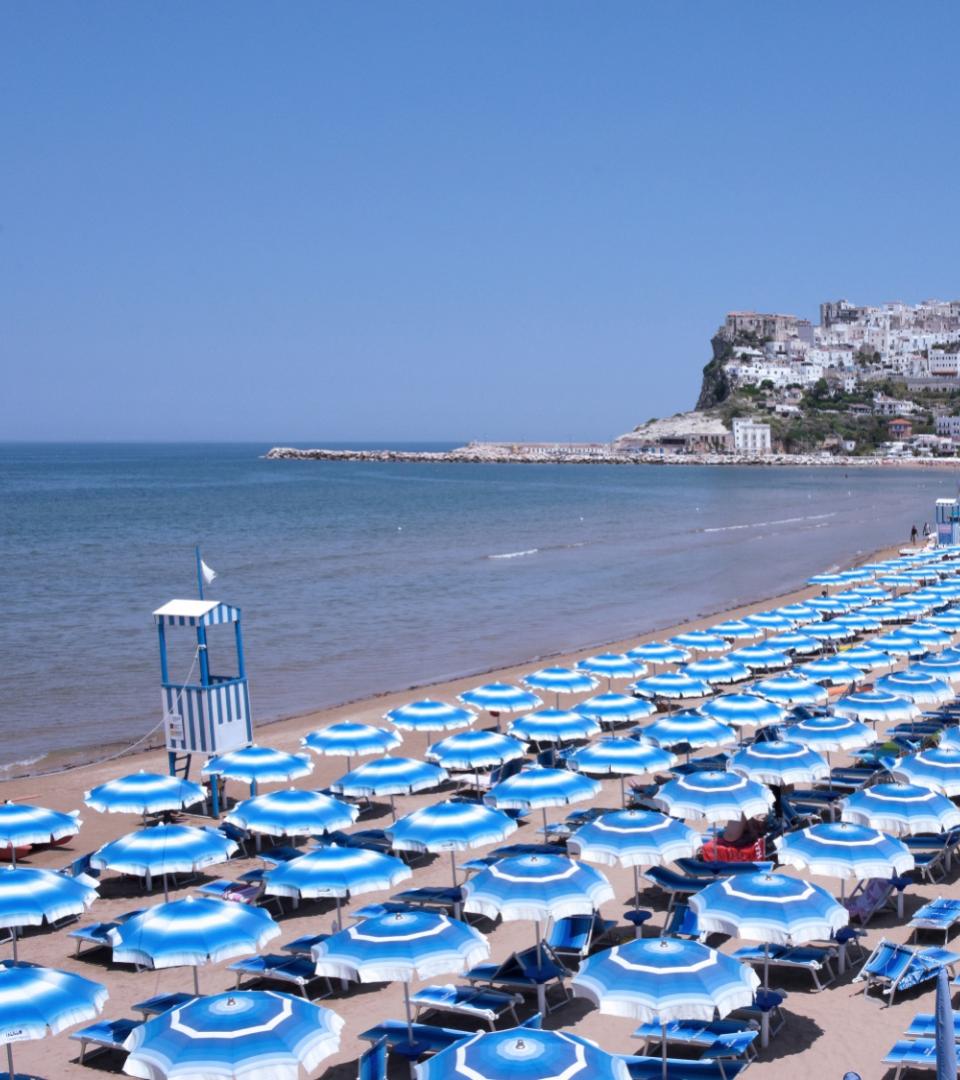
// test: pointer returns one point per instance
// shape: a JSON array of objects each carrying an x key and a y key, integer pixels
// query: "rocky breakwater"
[{"x": 474, "y": 453}]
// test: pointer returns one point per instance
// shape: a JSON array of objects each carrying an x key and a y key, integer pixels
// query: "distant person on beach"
[
  {"x": 913, "y": 535},
  {"x": 926, "y": 528}
]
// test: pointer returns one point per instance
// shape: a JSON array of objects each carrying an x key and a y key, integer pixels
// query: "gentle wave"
[
  {"x": 766, "y": 524},
  {"x": 514, "y": 554},
  {"x": 23, "y": 763}
]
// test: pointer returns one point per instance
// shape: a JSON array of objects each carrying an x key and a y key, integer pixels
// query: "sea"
[{"x": 356, "y": 578}]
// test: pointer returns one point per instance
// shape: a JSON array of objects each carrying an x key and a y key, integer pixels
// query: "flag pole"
[{"x": 199, "y": 572}]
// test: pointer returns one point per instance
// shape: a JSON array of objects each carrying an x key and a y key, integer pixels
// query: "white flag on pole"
[{"x": 209, "y": 574}]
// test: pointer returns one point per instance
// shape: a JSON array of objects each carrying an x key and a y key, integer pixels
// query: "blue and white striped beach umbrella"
[
  {"x": 761, "y": 657},
  {"x": 536, "y": 888},
  {"x": 866, "y": 657},
  {"x": 614, "y": 709},
  {"x": 334, "y": 871},
  {"x": 717, "y": 670},
  {"x": 293, "y": 812},
  {"x": 611, "y": 666},
  {"x": 240, "y": 1035},
  {"x": 351, "y": 740},
  {"x": 37, "y": 1000},
  {"x": 801, "y": 613},
  {"x": 144, "y": 793},
  {"x": 910, "y": 608},
  {"x": 664, "y": 979},
  {"x": 475, "y": 750},
  {"x": 770, "y": 620},
  {"x": 634, "y": 838},
  {"x": 162, "y": 850},
  {"x": 259, "y": 765},
  {"x": 831, "y": 732},
  {"x": 931, "y": 636},
  {"x": 450, "y": 826},
  {"x": 901, "y": 809},
  {"x": 736, "y": 630},
  {"x": 553, "y": 726},
  {"x": 919, "y": 686},
  {"x": 741, "y": 710},
  {"x": 887, "y": 613},
  {"x": 828, "y": 579},
  {"x": 713, "y": 796},
  {"x": 430, "y": 715},
  {"x": 831, "y": 671},
  {"x": 30, "y": 896},
  {"x": 875, "y": 706},
  {"x": 700, "y": 640},
  {"x": 620, "y": 757},
  {"x": 524, "y": 1053},
  {"x": 778, "y": 762},
  {"x": 688, "y": 729},
  {"x": 937, "y": 769},
  {"x": 793, "y": 641},
  {"x": 946, "y": 620},
  {"x": 768, "y": 907},
  {"x": 828, "y": 605},
  {"x": 560, "y": 680},
  {"x": 791, "y": 690},
  {"x": 21, "y": 824},
  {"x": 659, "y": 652},
  {"x": 497, "y": 698},
  {"x": 671, "y": 686},
  {"x": 831, "y": 631},
  {"x": 860, "y": 622},
  {"x": 843, "y": 850},
  {"x": 950, "y": 739},
  {"x": 389, "y": 776},
  {"x": 190, "y": 932},
  {"x": 536, "y": 788}
]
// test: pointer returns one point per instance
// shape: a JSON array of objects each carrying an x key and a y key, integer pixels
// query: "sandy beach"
[{"x": 826, "y": 1034}]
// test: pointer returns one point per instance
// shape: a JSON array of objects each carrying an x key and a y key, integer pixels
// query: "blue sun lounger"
[
  {"x": 161, "y": 1003},
  {"x": 683, "y": 923},
  {"x": 97, "y": 935},
  {"x": 675, "y": 884},
  {"x": 471, "y": 1001},
  {"x": 723, "y": 867},
  {"x": 525, "y": 973},
  {"x": 571, "y": 938},
  {"x": 372, "y": 1063},
  {"x": 300, "y": 971},
  {"x": 651, "y": 1068},
  {"x": 891, "y": 967},
  {"x": 809, "y": 958},
  {"x": 736, "y": 1036},
  {"x": 912, "y": 1054},
  {"x": 924, "y": 1026},
  {"x": 427, "y": 1039},
  {"x": 105, "y": 1035},
  {"x": 940, "y": 915}
]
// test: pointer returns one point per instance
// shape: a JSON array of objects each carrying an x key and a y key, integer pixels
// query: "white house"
[{"x": 751, "y": 437}]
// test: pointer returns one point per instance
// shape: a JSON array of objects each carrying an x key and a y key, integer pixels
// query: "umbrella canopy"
[
  {"x": 613, "y": 666},
  {"x": 389, "y": 776},
  {"x": 866, "y": 657},
  {"x": 689, "y": 728},
  {"x": 36, "y": 1000},
  {"x": 946, "y": 620},
  {"x": 860, "y": 622},
  {"x": 536, "y": 887},
  {"x": 770, "y": 620},
  {"x": 841, "y": 849},
  {"x": 791, "y": 690},
  {"x": 713, "y": 796},
  {"x": 475, "y": 750},
  {"x": 634, "y": 838},
  {"x": 873, "y": 706},
  {"x": 616, "y": 708},
  {"x": 500, "y": 698},
  {"x": 524, "y": 1053},
  {"x": 701, "y": 640},
  {"x": 898, "y": 644},
  {"x": 536, "y": 788},
  {"x": 739, "y": 710},
  {"x": 293, "y": 813},
  {"x": 164, "y": 849},
  {"x": 21, "y": 824},
  {"x": 620, "y": 757},
  {"x": 197, "y": 930},
  {"x": 768, "y": 907},
  {"x": 761, "y": 657},
  {"x": 828, "y": 605},
  {"x": 671, "y": 686},
  {"x": 450, "y": 826},
  {"x": 333, "y": 871},
  {"x": 351, "y": 740},
  {"x": 259, "y": 765},
  {"x": 430, "y": 715},
  {"x": 737, "y": 630},
  {"x": 241, "y": 1035},
  {"x": 830, "y": 732},
  {"x": 936, "y": 768},
  {"x": 831, "y": 631},
  {"x": 931, "y": 636},
  {"x": 663, "y": 979},
  {"x": 560, "y": 680},
  {"x": 553, "y": 726},
  {"x": 795, "y": 642},
  {"x": 144, "y": 793},
  {"x": 919, "y": 686},
  {"x": 831, "y": 672},
  {"x": 942, "y": 666},
  {"x": 29, "y": 896},
  {"x": 659, "y": 652},
  {"x": 901, "y": 809},
  {"x": 776, "y": 762},
  {"x": 717, "y": 670}
]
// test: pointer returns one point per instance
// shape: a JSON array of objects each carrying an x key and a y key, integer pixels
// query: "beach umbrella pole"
[
  {"x": 636, "y": 890},
  {"x": 406, "y": 1006},
  {"x": 13, "y": 938},
  {"x": 13, "y": 1075},
  {"x": 623, "y": 791},
  {"x": 766, "y": 966},
  {"x": 196, "y": 981},
  {"x": 336, "y": 897},
  {"x": 663, "y": 1049},
  {"x": 539, "y": 945},
  {"x": 453, "y": 866}
]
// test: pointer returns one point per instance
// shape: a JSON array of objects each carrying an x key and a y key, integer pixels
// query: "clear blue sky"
[{"x": 302, "y": 222}]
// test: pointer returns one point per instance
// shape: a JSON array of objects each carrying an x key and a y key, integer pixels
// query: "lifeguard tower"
[
  {"x": 948, "y": 522},
  {"x": 213, "y": 715}
]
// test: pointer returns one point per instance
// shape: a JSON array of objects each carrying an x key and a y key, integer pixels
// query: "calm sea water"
[{"x": 356, "y": 578}]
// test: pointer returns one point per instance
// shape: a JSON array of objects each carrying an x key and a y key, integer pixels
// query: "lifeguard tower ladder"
[{"x": 212, "y": 716}]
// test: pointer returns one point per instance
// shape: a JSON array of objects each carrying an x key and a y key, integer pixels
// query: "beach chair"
[
  {"x": 944, "y": 843},
  {"x": 303, "y": 945},
  {"x": 814, "y": 960},
  {"x": 432, "y": 898},
  {"x": 912, "y": 1054},
  {"x": 572, "y": 937},
  {"x": 940, "y": 915},
  {"x": 488, "y": 1006},
  {"x": 702, "y": 1035},
  {"x": 652, "y": 1068},
  {"x": 891, "y": 968},
  {"x": 372, "y": 1063},
  {"x": 161, "y": 1003},
  {"x": 81, "y": 870},
  {"x": 924, "y": 1026},
  {"x": 873, "y": 895},
  {"x": 427, "y": 1039},
  {"x": 713, "y": 763},
  {"x": 298, "y": 971},
  {"x": 817, "y": 800},
  {"x": 104, "y": 1035},
  {"x": 683, "y": 923},
  {"x": 532, "y": 971},
  {"x": 675, "y": 884},
  {"x": 723, "y": 867},
  {"x": 249, "y": 888},
  {"x": 766, "y": 1011},
  {"x": 97, "y": 935}
]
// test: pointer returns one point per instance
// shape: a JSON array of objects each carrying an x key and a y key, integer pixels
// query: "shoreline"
[{"x": 151, "y": 743}]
